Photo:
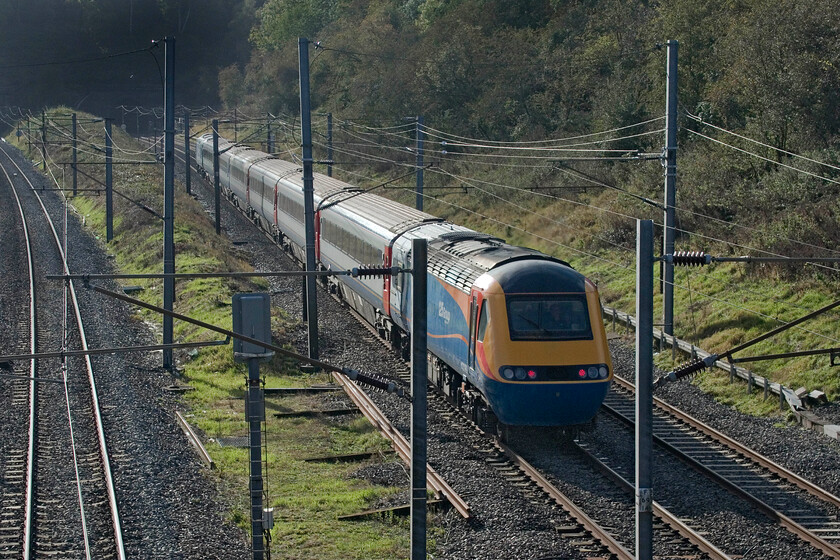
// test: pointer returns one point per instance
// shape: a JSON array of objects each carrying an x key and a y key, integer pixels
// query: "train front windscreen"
[{"x": 548, "y": 317}]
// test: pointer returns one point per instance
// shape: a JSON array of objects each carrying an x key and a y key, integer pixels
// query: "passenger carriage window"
[{"x": 548, "y": 317}]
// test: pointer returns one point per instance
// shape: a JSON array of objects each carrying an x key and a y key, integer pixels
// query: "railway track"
[
  {"x": 801, "y": 507},
  {"x": 60, "y": 500}
]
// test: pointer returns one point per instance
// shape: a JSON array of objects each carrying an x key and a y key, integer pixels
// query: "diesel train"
[{"x": 515, "y": 337}]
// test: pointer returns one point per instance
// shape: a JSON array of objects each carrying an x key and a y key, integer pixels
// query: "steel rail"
[
  {"x": 29, "y": 497},
  {"x": 588, "y": 523},
  {"x": 103, "y": 449},
  {"x": 401, "y": 445},
  {"x": 783, "y": 520},
  {"x": 659, "y": 510},
  {"x": 31, "y": 467},
  {"x": 737, "y": 447}
]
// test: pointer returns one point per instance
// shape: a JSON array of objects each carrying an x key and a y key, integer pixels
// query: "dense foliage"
[
  {"x": 71, "y": 51},
  {"x": 536, "y": 69}
]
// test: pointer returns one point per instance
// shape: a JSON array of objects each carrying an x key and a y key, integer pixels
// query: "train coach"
[{"x": 515, "y": 337}]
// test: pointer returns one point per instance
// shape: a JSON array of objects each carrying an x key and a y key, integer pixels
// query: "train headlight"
[
  {"x": 532, "y": 374},
  {"x": 582, "y": 373},
  {"x": 592, "y": 372},
  {"x": 603, "y": 372},
  {"x": 507, "y": 373},
  {"x": 521, "y": 373}
]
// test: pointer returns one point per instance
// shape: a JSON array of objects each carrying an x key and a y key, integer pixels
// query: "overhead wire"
[
  {"x": 688, "y": 288},
  {"x": 97, "y": 147},
  {"x": 401, "y": 149},
  {"x": 774, "y": 162},
  {"x": 77, "y": 60},
  {"x": 444, "y": 135},
  {"x": 630, "y": 217},
  {"x": 558, "y": 148},
  {"x": 791, "y": 154},
  {"x": 648, "y": 201}
]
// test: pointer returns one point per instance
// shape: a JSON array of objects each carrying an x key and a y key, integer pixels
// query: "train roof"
[
  {"x": 376, "y": 211},
  {"x": 461, "y": 257}
]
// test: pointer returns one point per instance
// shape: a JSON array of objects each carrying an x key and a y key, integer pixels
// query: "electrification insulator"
[
  {"x": 373, "y": 272},
  {"x": 691, "y": 258},
  {"x": 375, "y": 381},
  {"x": 686, "y": 370}
]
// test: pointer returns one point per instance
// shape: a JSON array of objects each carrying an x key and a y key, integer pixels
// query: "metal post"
[
  {"x": 217, "y": 189},
  {"x": 670, "y": 187},
  {"x": 44, "y": 140},
  {"x": 75, "y": 158},
  {"x": 644, "y": 389},
  {"x": 308, "y": 196},
  {"x": 169, "y": 198},
  {"x": 109, "y": 184},
  {"x": 255, "y": 408},
  {"x": 252, "y": 317},
  {"x": 269, "y": 141},
  {"x": 419, "y": 138},
  {"x": 329, "y": 145},
  {"x": 28, "y": 136},
  {"x": 304, "y": 310},
  {"x": 418, "y": 401},
  {"x": 187, "y": 150}
]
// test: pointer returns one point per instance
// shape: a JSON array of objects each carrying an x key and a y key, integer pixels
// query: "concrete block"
[
  {"x": 832, "y": 431},
  {"x": 817, "y": 396}
]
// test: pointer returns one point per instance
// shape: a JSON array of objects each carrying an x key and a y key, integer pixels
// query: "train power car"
[{"x": 515, "y": 337}]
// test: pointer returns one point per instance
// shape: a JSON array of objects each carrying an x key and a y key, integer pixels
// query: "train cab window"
[
  {"x": 548, "y": 317},
  {"x": 482, "y": 322}
]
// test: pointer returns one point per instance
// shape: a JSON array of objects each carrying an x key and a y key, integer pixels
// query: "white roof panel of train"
[{"x": 370, "y": 208}]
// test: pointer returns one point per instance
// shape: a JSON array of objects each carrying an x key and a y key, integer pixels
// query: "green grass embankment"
[{"x": 307, "y": 497}]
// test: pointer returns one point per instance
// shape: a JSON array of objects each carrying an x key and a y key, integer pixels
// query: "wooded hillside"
[{"x": 541, "y": 69}]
